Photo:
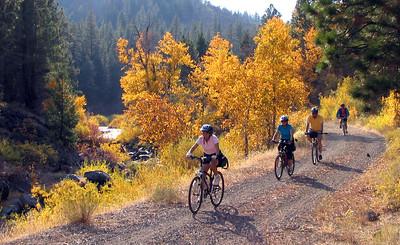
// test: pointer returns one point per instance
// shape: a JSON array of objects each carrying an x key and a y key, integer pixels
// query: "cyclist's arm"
[
  {"x": 192, "y": 149},
  {"x": 292, "y": 135},
  {"x": 307, "y": 126},
  {"x": 217, "y": 146},
  {"x": 274, "y": 137},
  {"x": 322, "y": 127}
]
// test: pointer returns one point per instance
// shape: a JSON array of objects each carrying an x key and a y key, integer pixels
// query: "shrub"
[
  {"x": 38, "y": 154},
  {"x": 389, "y": 186},
  {"x": 9, "y": 152},
  {"x": 113, "y": 152},
  {"x": 74, "y": 203},
  {"x": 389, "y": 117},
  {"x": 101, "y": 120},
  {"x": 174, "y": 154}
]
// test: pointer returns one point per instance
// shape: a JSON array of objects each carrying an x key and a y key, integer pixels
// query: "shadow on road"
[
  {"x": 311, "y": 182},
  {"x": 352, "y": 138},
  {"x": 226, "y": 218},
  {"x": 341, "y": 167}
]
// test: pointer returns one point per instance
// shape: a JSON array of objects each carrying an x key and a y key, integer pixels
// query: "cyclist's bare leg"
[
  {"x": 319, "y": 139},
  {"x": 205, "y": 168}
]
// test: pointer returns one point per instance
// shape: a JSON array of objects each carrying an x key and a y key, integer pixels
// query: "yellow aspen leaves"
[{"x": 242, "y": 98}]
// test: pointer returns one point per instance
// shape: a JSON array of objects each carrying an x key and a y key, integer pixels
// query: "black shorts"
[
  {"x": 313, "y": 134},
  {"x": 208, "y": 157},
  {"x": 290, "y": 149}
]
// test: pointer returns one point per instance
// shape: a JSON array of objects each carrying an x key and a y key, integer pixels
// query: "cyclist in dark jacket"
[{"x": 342, "y": 114}]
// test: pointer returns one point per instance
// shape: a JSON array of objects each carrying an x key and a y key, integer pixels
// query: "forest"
[{"x": 159, "y": 69}]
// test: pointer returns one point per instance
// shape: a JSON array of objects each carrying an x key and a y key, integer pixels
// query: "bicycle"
[
  {"x": 343, "y": 125},
  {"x": 314, "y": 146},
  {"x": 202, "y": 186},
  {"x": 281, "y": 161}
]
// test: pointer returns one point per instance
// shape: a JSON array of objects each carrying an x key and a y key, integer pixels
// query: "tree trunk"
[{"x": 28, "y": 71}]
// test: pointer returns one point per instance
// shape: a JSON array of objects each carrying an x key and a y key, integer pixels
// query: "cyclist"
[
  {"x": 342, "y": 114},
  {"x": 209, "y": 142},
  {"x": 315, "y": 128},
  {"x": 285, "y": 131}
]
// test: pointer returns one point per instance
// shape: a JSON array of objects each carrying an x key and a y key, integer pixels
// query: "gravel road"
[{"x": 259, "y": 210}]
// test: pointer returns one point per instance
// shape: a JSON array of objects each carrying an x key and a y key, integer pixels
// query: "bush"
[
  {"x": 389, "y": 187},
  {"x": 38, "y": 154},
  {"x": 113, "y": 152},
  {"x": 389, "y": 117},
  {"x": 101, "y": 120},
  {"x": 174, "y": 154},
  {"x": 9, "y": 152},
  {"x": 74, "y": 203}
]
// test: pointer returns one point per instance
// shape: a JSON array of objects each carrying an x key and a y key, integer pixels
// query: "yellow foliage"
[
  {"x": 161, "y": 122},
  {"x": 74, "y": 203},
  {"x": 389, "y": 187},
  {"x": 114, "y": 152},
  {"x": 389, "y": 117},
  {"x": 330, "y": 104},
  {"x": 155, "y": 98}
]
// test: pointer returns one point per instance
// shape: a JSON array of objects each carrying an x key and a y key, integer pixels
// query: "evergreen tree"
[
  {"x": 361, "y": 38},
  {"x": 270, "y": 13}
]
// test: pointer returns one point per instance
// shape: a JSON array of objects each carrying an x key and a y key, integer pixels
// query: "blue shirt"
[{"x": 285, "y": 131}]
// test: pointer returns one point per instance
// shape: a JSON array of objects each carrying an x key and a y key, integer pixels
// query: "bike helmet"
[
  {"x": 314, "y": 110},
  {"x": 207, "y": 128},
  {"x": 342, "y": 105},
  {"x": 284, "y": 118}
]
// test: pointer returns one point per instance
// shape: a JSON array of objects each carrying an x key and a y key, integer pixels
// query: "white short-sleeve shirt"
[{"x": 209, "y": 147}]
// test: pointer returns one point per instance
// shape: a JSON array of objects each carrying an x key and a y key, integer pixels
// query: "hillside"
[{"x": 97, "y": 25}]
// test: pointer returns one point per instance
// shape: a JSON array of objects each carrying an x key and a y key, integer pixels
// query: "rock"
[
  {"x": 19, "y": 205},
  {"x": 4, "y": 190},
  {"x": 80, "y": 180},
  {"x": 372, "y": 216},
  {"x": 28, "y": 202},
  {"x": 98, "y": 177}
]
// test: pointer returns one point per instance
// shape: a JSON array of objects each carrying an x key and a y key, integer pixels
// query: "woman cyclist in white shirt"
[{"x": 209, "y": 142}]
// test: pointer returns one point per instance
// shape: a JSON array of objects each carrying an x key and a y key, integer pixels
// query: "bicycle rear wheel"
[
  {"x": 195, "y": 195},
  {"x": 278, "y": 167},
  {"x": 290, "y": 168},
  {"x": 217, "y": 192},
  {"x": 314, "y": 153}
]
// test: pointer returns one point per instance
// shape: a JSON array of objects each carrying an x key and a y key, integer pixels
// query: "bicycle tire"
[
  {"x": 278, "y": 168},
  {"x": 314, "y": 154},
  {"x": 290, "y": 170},
  {"x": 216, "y": 201},
  {"x": 194, "y": 209}
]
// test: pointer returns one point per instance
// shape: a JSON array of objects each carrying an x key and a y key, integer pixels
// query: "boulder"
[
  {"x": 19, "y": 205},
  {"x": 80, "y": 180},
  {"x": 98, "y": 177},
  {"x": 4, "y": 190}
]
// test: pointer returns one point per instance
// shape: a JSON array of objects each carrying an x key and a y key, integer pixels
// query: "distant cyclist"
[
  {"x": 315, "y": 128},
  {"x": 209, "y": 142},
  {"x": 343, "y": 114},
  {"x": 285, "y": 130}
]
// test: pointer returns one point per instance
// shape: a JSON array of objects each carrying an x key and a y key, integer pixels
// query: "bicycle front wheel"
[
  {"x": 314, "y": 153},
  {"x": 195, "y": 195},
  {"x": 290, "y": 168},
  {"x": 278, "y": 167},
  {"x": 217, "y": 191}
]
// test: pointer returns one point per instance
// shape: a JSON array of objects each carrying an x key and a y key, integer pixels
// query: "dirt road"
[{"x": 260, "y": 210}]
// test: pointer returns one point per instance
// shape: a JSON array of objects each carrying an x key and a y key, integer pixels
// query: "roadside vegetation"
[{"x": 376, "y": 195}]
